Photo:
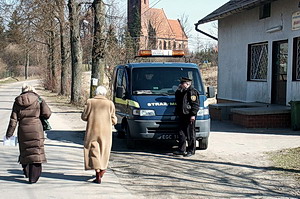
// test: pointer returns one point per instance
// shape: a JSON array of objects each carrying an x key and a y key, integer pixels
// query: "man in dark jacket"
[{"x": 187, "y": 106}]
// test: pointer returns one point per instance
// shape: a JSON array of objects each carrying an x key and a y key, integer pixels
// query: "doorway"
[{"x": 279, "y": 72}]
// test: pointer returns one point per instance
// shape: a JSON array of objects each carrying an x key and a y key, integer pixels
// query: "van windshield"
[{"x": 162, "y": 80}]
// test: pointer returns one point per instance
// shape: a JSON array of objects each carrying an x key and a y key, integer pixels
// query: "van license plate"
[{"x": 168, "y": 137}]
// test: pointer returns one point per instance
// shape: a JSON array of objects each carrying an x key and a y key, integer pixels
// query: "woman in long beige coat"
[
  {"x": 99, "y": 112},
  {"x": 27, "y": 110}
]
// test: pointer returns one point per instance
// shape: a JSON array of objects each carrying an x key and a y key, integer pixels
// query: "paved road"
[
  {"x": 63, "y": 176},
  {"x": 234, "y": 166}
]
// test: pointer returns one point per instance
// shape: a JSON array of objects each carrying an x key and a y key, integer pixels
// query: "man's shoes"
[
  {"x": 188, "y": 154},
  {"x": 179, "y": 153}
]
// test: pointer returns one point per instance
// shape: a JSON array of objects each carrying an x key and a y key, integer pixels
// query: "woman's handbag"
[{"x": 45, "y": 122}]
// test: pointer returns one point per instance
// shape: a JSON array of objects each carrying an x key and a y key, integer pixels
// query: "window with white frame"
[
  {"x": 296, "y": 60},
  {"x": 258, "y": 62}
]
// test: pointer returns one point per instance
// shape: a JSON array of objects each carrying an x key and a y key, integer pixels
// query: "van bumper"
[{"x": 164, "y": 130}]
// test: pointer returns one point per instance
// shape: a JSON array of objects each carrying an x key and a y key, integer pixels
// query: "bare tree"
[
  {"x": 98, "y": 45},
  {"x": 65, "y": 64},
  {"x": 76, "y": 51},
  {"x": 116, "y": 40},
  {"x": 184, "y": 21}
]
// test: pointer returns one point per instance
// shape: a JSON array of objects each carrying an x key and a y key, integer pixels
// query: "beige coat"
[
  {"x": 26, "y": 110},
  {"x": 99, "y": 112}
]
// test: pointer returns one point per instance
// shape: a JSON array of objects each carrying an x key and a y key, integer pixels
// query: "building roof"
[
  {"x": 177, "y": 29},
  {"x": 164, "y": 27},
  {"x": 232, "y": 7}
]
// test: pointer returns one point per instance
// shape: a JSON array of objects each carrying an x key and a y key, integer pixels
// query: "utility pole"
[{"x": 98, "y": 46}]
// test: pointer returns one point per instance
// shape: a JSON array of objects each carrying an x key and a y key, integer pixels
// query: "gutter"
[{"x": 198, "y": 30}]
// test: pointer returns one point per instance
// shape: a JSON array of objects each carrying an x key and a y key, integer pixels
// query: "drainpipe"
[{"x": 198, "y": 30}]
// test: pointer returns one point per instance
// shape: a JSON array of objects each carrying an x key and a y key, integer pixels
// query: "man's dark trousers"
[{"x": 187, "y": 133}]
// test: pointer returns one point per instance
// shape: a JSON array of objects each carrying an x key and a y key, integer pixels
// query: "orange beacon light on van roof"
[{"x": 161, "y": 53}]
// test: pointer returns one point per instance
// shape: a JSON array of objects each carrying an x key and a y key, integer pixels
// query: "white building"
[{"x": 259, "y": 51}]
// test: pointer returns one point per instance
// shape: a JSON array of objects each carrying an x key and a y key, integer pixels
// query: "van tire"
[
  {"x": 130, "y": 143},
  {"x": 121, "y": 134},
  {"x": 203, "y": 144},
  {"x": 120, "y": 131}
]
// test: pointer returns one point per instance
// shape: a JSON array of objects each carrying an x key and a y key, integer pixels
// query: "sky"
[{"x": 194, "y": 10}]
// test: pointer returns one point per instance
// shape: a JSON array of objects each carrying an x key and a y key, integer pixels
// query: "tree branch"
[{"x": 41, "y": 42}]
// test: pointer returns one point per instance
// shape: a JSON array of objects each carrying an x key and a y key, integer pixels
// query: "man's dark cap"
[{"x": 185, "y": 79}]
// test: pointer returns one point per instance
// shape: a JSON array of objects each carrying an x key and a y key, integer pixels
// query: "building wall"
[{"x": 236, "y": 32}]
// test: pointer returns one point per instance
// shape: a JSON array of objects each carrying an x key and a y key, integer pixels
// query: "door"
[
  {"x": 279, "y": 72},
  {"x": 120, "y": 101}
]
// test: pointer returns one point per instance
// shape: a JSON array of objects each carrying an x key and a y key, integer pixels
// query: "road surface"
[{"x": 235, "y": 165}]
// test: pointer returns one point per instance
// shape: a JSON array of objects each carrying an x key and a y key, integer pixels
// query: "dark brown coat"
[{"x": 27, "y": 110}]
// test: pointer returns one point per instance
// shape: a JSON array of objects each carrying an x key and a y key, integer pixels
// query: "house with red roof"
[{"x": 151, "y": 28}]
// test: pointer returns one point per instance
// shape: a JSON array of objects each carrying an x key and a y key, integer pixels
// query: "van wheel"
[
  {"x": 120, "y": 131},
  {"x": 129, "y": 141},
  {"x": 203, "y": 144},
  {"x": 121, "y": 134}
]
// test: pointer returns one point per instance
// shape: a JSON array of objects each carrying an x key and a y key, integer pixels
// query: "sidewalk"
[{"x": 63, "y": 177}]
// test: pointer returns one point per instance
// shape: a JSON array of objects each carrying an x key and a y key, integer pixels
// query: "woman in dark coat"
[{"x": 27, "y": 109}]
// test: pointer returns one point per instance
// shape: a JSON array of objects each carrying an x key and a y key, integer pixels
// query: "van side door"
[{"x": 121, "y": 92}]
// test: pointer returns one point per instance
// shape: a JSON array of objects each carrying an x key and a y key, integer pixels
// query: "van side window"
[
  {"x": 124, "y": 83},
  {"x": 120, "y": 77},
  {"x": 121, "y": 80}
]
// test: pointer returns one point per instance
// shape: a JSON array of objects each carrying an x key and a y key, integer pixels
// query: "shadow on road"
[
  {"x": 66, "y": 136},
  {"x": 5, "y": 109},
  {"x": 63, "y": 176},
  {"x": 164, "y": 151},
  {"x": 197, "y": 176},
  {"x": 200, "y": 176},
  {"x": 68, "y": 112},
  {"x": 19, "y": 177},
  {"x": 156, "y": 146}
]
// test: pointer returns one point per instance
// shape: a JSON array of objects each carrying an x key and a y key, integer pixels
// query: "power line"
[
  {"x": 152, "y": 6},
  {"x": 155, "y": 3}
]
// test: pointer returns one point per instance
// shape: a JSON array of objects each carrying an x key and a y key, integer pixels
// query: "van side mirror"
[
  {"x": 211, "y": 92},
  {"x": 120, "y": 92}
]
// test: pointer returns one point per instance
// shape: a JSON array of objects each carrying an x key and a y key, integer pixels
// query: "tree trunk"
[
  {"x": 26, "y": 63},
  {"x": 48, "y": 71},
  {"x": 64, "y": 83},
  {"x": 98, "y": 47},
  {"x": 52, "y": 62},
  {"x": 76, "y": 51}
]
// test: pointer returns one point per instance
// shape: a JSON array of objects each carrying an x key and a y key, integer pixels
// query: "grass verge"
[
  {"x": 288, "y": 159},
  {"x": 8, "y": 80}
]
